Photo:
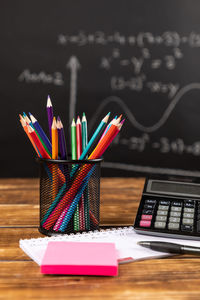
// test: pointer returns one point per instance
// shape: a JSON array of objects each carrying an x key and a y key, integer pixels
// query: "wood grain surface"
[{"x": 177, "y": 277}]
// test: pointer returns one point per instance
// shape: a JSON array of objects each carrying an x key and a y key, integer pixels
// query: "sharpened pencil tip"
[
  {"x": 33, "y": 119},
  {"x": 73, "y": 123},
  {"x": 49, "y": 104},
  {"x": 78, "y": 121}
]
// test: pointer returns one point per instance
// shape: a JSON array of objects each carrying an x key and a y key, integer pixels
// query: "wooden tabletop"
[{"x": 20, "y": 278}]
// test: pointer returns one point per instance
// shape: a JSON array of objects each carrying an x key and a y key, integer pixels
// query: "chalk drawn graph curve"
[{"x": 131, "y": 117}]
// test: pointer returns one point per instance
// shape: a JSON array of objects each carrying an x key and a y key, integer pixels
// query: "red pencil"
[
  {"x": 37, "y": 142},
  {"x": 78, "y": 138}
]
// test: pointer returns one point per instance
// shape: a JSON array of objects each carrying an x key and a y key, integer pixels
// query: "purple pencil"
[
  {"x": 49, "y": 114},
  {"x": 61, "y": 139}
]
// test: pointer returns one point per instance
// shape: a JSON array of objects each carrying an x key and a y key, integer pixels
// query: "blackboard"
[{"x": 135, "y": 57}]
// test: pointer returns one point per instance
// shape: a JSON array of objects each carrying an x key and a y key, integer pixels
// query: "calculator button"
[
  {"x": 159, "y": 224},
  {"x": 173, "y": 226},
  {"x": 187, "y": 221},
  {"x": 188, "y": 228},
  {"x": 187, "y": 215},
  {"x": 190, "y": 205},
  {"x": 149, "y": 206},
  {"x": 176, "y": 203},
  {"x": 147, "y": 212},
  {"x": 174, "y": 220},
  {"x": 162, "y": 212},
  {"x": 161, "y": 218},
  {"x": 144, "y": 223},
  {"x": 189, "y": 201},
  {"x": 188, "y": 210},
  {"x": 198, "y": 217},
  {"x": 150, "y": 201},
  {"x": 164, "y": 202},
  {"x": 176, "y": 208},
  {"x": 146, "y": 217},
  {"x": 175, "y": 214},
  {"x": 163, "y": 207}
]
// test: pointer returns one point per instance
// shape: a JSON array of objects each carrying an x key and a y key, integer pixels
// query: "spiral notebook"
[{"x": 125, "y": 240}]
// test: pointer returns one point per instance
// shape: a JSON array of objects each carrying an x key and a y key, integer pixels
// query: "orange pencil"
[
  {"x": 24, "y": 125},
  {"x": 54, "y": 137},
  {"x": 54, "y": 134}
]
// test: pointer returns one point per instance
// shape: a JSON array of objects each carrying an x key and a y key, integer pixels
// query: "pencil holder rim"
[{"x": 76, "y": 161}]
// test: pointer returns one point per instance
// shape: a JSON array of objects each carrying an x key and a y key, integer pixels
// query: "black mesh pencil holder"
[{"x": 69, "y": 196}]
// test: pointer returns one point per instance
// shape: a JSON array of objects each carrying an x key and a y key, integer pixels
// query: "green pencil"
[{"x": 74, "y": 156}]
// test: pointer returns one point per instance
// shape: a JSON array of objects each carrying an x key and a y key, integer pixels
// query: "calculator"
[{"x": 169, "y": 208}]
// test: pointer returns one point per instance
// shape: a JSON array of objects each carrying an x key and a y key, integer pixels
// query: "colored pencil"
[
  {"x": 74, "y": 156},
  {"x": 80, "y": 207},
  {"x": 49, "y": 114},
  {"x": 54, "y": 134},
  {"x": 61, "y": 139},
  {"x": 70, "y": 194},
  {"x": 77, "y": 221},
  {"x": 37, "y": 142},
  {"x": 84, "y": 145},
  {"x": 95, "y": 135},
  {"x": 92, "y": 141},
  {"x": 54, "y": 137},
  {"x": 24, "y": 125},
  {"x": 73, "y": 139},
  {"x": 41, "y": 133}
]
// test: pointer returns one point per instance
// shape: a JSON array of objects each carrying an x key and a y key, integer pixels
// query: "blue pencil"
[{"x": 95, "y": 135}]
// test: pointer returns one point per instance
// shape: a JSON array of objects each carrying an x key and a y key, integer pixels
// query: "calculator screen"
[{"x": 174, "y": 188}]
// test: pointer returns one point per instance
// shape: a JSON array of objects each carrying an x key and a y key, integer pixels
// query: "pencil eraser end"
[{"x": 80, "y": 258}]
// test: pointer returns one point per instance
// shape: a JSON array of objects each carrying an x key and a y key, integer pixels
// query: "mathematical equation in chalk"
[
  {"x": 163, "y": 145},
  {"x": 141, "y": 39}
]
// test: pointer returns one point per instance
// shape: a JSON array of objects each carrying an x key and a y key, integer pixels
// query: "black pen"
[{"x": 170, "y": 247}]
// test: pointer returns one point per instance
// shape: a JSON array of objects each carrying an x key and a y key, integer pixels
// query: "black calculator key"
[
  {"x": 176, "y": 203},
  {"x": 149, "y": 206},
  {"x": 147, "y": 212},
  {"x": 198, "y": 226},
  {"x": 164, "y": 202},
  {"x": 189, "y": 205},
  {"x": 188, "y": 228},
  {"x": 198, "y": 217},
  {"x": 189, "y": 201},
  {"x": 150, "y": 201}
]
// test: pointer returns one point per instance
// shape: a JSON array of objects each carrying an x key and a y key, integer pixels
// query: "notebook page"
[{"x": 125, "y": 240}]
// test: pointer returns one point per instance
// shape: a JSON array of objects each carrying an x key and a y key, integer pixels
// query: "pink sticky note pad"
[{"x": 80, "y": 258}]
